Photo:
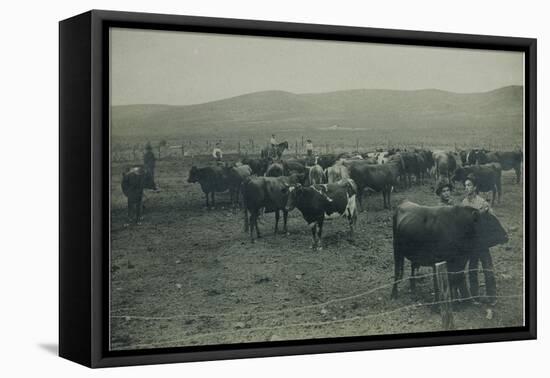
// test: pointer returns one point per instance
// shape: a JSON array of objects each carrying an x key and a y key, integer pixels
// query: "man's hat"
[
  {"x": 443, "y": 183},
  {"x": 148, "y": 146}
]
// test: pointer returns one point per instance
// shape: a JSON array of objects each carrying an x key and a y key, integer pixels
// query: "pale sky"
[{"x": 181, "y": 68}]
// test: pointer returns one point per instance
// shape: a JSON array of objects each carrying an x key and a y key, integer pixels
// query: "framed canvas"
[{"x": 234, "y": 188}]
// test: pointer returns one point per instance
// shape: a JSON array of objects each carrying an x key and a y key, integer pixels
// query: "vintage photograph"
[{"x": 272, "y": 189}]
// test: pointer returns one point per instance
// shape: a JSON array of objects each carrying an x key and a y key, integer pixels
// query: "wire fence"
[
  {"x": 413, "y": 306},
  {"x": 235, "y": 316},
  {"x": 178, "y": 149}
]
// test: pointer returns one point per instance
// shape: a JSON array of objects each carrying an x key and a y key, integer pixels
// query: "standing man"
[
  {"x": 217, "y": 152},
  {"x": 149, "y": 163},
  {"x": 473, "y": 199}
]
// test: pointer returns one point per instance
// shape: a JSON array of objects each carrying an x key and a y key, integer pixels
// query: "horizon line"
[{"x": 319, "y": 93}]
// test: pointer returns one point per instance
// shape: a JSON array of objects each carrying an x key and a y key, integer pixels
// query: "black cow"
[
  {"x": 488, "y": 178},
  {"x": 133, "y": 183},
  {"x": 412, "y": 166},
  {"x": 212, "y": 180},
  {"x": 274, "y": 152},
  {"x": 294, "y": 166},
  {"x": 275, "y": 170},
  {"x": 235, "y": 177},
  {"x": 269, "y": 193},
  {"x": 324, "y": 201},
  {"x": 477, "y": 156},
  {"x": 380, "y": 178},
  {"x": 427, "y": 162},
  {"x": 426, "y": 235},
  {"x": 327, "y": 160},
  {"x": 508, "y": 160},
  {"x": 258, "y": 166}
]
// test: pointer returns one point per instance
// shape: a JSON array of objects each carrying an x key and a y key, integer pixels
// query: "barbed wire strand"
[
  {"x": 271, "y": 312},
  {"x": 311, "y": 324}
]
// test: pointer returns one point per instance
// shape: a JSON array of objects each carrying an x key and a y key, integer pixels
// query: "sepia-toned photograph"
[{"x": 276, "y": 189}]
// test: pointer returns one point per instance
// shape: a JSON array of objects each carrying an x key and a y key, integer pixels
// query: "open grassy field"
[{"x": 189, "y": 276}]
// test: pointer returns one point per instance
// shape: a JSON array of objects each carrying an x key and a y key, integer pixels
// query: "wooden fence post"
[
  {"x": 159, "y": 151},
  {"x": 239, "y": 147},
  {"x": 444, "y": 295},
  {"x": 296, "y": 148},
  {"x": 182, "y": 149}
]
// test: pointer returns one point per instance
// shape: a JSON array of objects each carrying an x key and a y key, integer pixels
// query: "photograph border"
[{"x": 84, "y": 180}]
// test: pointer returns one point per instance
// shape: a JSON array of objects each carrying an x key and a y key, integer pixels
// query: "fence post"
[
  {"x": 134, "y": 152},
  {"x": 357, "y": 145},
  {"x": 444, "y": 295},
  {"x": 326, "y": 147},
  {"x": 296, "y": 148},
  {"x": 182, "y": 148},
  {"x": 159, "y": 151},
  {"x": 239, "y": 147},
  {"x": 302, "y": 141}
]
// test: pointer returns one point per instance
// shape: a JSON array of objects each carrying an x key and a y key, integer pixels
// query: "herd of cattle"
[{"x": 327, "y": 186}]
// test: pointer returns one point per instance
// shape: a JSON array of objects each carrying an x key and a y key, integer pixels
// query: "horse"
[{"x": 275, "y": 151}]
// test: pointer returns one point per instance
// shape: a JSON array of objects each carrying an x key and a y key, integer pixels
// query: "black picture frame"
[{"x": 84, "y": 189}]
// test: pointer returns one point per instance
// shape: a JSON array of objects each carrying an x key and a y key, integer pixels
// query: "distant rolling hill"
[{"x": 350, "y": 109}]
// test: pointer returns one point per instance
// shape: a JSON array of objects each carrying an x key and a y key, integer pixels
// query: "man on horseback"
[{"x": 273, "y": 149}]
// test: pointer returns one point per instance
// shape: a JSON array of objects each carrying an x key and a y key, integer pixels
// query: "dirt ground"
[{"x": 190, "y": 276}]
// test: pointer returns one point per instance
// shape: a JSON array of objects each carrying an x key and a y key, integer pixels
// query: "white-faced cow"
[
  {"x": 426, "y": 235},
  {"x": 319, "y": 202}
]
